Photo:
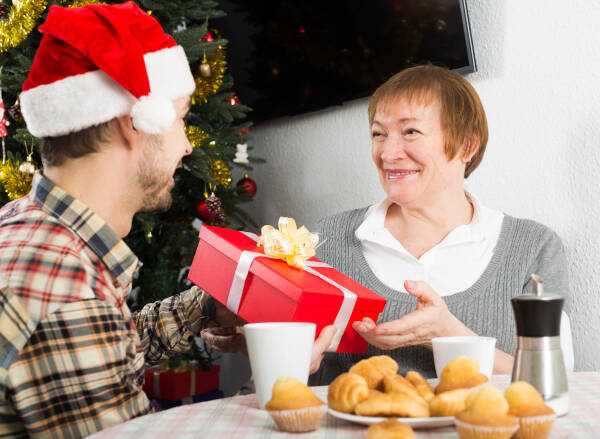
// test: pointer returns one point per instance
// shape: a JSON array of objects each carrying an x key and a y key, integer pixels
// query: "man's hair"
[
  {"x": 56, "y": 150},
  {"x": 461, "y": 113}
]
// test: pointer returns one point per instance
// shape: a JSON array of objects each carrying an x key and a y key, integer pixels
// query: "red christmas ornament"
[
  {"x": 209, "y": 37},
  {"x": 234, "y": 100},
  {"x": 204, "y": 213},
  {"x": 250, "y": 185},
  {"x": 243, "y": 132}
]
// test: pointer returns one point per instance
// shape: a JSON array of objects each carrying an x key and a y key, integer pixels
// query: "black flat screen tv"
[{"x": 295, "y": 56}]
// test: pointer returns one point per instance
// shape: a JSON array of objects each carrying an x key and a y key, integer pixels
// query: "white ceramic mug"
[
  {"x": 480, "y": 348},
  {"x": 276, "y": 350}
]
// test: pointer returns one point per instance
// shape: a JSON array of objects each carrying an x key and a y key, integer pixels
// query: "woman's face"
[{"x": 408, "y": 150}]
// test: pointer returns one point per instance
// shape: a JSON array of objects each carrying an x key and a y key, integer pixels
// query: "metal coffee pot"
[{"x": 539, "y": 359}]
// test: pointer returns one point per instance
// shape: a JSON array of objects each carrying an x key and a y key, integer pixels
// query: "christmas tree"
[{"x": 205, "y": 189}]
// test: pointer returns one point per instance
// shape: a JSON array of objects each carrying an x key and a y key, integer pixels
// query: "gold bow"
[{"x": 289, "y": 243}]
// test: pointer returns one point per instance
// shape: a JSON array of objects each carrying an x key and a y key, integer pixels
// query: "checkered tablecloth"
[{"x": 239, "y": 417}]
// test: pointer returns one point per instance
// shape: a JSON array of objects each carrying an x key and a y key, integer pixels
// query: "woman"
[{"x": 459, "y": 262}]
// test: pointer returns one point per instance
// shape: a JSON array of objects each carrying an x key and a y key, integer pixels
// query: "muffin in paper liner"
[
  {"x": 299, "y": 420},
  {"x": 473, "y": 431},
  {"x": 535, "y": 427}
]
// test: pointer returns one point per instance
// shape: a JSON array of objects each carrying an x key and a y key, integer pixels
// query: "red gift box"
[
  {"x": 230, "y": 267},
  {"x": 173, "y": 385}
]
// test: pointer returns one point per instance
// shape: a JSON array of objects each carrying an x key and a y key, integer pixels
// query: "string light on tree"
[{"x": 234, "y": 100}]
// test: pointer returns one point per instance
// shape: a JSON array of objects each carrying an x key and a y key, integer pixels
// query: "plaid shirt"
[{"x": 71, "y": 353}]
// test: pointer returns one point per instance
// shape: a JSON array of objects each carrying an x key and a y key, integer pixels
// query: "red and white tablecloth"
[{"x": 239, "y": 417}]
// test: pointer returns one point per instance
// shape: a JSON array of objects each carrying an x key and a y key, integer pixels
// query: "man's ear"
[{"x": 130, "y": 135}]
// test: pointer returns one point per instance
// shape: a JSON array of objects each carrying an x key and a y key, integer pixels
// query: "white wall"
[{"x": 539, "y": 79}]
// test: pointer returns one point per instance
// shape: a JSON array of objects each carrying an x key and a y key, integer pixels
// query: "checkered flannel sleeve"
[
  {"x": 79, "y": 373},
  {"x": 168, "y": 326}
]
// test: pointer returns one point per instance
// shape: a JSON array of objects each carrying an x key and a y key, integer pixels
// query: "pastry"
[
  {"x": 294, "y": 407},
  {"x": 347, "y": 390},
  {"x": 535, "y": 418},
  {"x": 373, "y": 369},
  {"x": 422, "y": 386},
  {"x": 390, "y": 429},
  {"x": 460, "y": 373},
  {"x": 449, "y": 403},
  {"x": 392, "y": 404},
  {"x": 485, "y": 416},
  {"x": 398, "y": 384}
]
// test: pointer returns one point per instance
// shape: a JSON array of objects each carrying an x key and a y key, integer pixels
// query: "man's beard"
[{"x": 153, "y": 181}]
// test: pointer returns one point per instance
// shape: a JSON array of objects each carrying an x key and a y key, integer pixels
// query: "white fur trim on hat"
[
  {"x": 153, "y": 114},
  {"x": 81, "y": 101}
]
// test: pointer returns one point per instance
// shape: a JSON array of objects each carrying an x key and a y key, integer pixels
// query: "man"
[{"x": 107, "y": 95}]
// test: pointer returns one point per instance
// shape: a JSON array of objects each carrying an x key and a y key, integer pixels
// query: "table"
[{"x": 239, "y": 417}]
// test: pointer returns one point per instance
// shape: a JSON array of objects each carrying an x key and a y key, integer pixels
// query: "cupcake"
[
  {"x": 485, "y": 416},
  {"x": 294, "y": 407},
  {"x": 460, "y": 373},
  {"x": 535, "y": 418},
  {"x": 390, "y": 429}
]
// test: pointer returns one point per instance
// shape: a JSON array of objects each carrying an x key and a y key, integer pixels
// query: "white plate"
[{"x": 442, "y": 421}]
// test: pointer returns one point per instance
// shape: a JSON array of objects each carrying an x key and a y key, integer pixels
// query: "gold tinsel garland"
[
  {"x": 14, "y": 184},
  {"x": 206, "y": 87},
  {"x": 21, "y": 20},
  {"x": 195, "y": 135},
  {"x": 220, "y": 172}
]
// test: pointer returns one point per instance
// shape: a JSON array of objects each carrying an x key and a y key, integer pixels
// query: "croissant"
[
  {"x": 422, "y": 386},
  {"x": 393, "y": 404},
  {"x": 398, "y": 384},
  {"x": 449, "y": 403},
  {"x": 373, "y": 369},
  {"x": 346, "y": 391}
]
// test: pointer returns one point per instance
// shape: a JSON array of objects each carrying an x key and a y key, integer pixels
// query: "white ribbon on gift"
[{"x": 241, "y": 273}]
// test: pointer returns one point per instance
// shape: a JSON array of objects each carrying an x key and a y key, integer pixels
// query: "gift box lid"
[{"x": 299, "y": 285}]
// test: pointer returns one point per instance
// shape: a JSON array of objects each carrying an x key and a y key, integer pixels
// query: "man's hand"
[
  {"x": 230, "y": 339},
  {"x": 431, "y": 318},
  {"x": 321, "y": 344}
]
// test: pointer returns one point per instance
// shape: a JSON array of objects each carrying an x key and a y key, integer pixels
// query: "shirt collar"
[
  {"x": 98, "y": 236},
  {"x": 374, "y": 223}
]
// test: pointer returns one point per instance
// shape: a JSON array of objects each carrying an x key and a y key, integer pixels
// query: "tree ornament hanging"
[
  {"x": 204, "y": 69},
  {"x": 234, "y": 100},
  {"x": 221, "y": 217},
  {"x": 241, "y": 155},
  {"x": 15, "y": 112},
  {"x": 15, "y": 186},
  {"x": 208, "y": 86},
  {"x": 4, "y": 10},
  {"x": 220, "y": 172},
  {"x": 203, "y": 213},
  {"x": 248, "y": 185},
  {"x": 213, "y": 203},
  {"x": 28, "y": 168}
]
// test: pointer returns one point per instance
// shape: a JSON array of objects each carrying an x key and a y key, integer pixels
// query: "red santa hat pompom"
[{"x": 98, "y": 62}]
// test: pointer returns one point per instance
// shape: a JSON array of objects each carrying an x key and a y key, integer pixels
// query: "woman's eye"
[
  {"x": 376, "y": 134},
  {"x": 410, "y": 131}
]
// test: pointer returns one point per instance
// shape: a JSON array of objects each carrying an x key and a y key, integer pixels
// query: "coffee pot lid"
[{"x": 537, "y": 314}]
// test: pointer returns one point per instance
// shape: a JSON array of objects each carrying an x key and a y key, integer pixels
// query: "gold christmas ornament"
[
  {"x": 195, "y": 135},
  {"x": 21, "y": 20},
  {"x": 14, "y": 185},
  {"x": 205, "y": 70},
  {"x": 220, "y": 172},
  {"x": 206, "y": 86},
  {"x": 27, "y": 169}
]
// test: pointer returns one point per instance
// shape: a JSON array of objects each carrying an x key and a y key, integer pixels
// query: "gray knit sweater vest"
[{"x": 523, "y": 247}]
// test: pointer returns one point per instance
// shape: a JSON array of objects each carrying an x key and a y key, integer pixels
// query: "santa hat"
[{"x": 98, "y": 62}]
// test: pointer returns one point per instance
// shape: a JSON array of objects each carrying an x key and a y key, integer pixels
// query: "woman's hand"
[{"x": 431, "y": 318}]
